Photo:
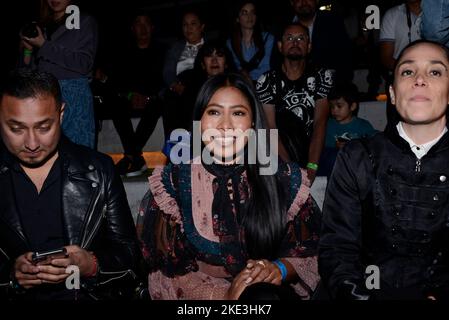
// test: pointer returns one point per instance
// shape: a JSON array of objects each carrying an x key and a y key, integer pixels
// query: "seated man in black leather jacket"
[
  {"x": 386, "y": 206},
  {"x": 57, "y": 194}
]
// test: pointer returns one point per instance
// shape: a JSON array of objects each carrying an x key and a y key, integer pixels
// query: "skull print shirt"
[{"x": 298, "y": 96}]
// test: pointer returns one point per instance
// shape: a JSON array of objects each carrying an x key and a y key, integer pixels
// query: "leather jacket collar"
[{"x": 81, "y": 190}]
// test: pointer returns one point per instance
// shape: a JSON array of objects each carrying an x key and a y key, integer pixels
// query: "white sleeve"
[{"x": 388, "y": 26}]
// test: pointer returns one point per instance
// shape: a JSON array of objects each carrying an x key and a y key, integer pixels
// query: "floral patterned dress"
[{"x": 186, "y": 256}]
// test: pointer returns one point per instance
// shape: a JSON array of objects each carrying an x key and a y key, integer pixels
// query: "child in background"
[{"x": 343, "y": 125}]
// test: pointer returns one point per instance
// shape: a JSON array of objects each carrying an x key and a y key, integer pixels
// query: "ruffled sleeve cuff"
[
  {"x": 301, "y": 196},
  {"x": 160, "y": 186}
]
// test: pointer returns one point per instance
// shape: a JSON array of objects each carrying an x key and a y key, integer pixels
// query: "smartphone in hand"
[
  {"x": 343, "y": 139},
  {"x": 40, "y": 256}
]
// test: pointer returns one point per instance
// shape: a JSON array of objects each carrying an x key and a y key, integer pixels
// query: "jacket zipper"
[
  {"x": 4, "y": 253},
  {"x": 95, "y": 229},
  {"x": 418, "y": 165}
]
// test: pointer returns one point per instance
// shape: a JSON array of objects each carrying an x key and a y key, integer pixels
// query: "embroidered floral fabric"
[{"x": 188, "y": 261}]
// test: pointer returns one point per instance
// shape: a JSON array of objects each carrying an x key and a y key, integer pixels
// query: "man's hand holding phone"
[
  {"x": 34, "y": 268},
  {"x": 83, "y": 259},
  {"x": 50, "y": 267},
  {"x": 45, "y": 257},
  {"x": 55, "y": 270},
  {"x": 26, "y": 272}
]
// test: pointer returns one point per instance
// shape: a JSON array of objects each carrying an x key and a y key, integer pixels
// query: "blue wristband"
[{"x": 282, "y": 268}]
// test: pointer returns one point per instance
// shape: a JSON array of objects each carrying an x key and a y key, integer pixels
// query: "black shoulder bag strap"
[{"x": 255, "y": 60}]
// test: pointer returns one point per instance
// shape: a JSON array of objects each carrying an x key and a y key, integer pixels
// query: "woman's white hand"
[{"x": 37, "y": 41}]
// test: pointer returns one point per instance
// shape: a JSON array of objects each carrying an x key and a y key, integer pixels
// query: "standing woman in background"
[
  {"x": 69, "y": 55},
  {"x": 251, "y": 48}
]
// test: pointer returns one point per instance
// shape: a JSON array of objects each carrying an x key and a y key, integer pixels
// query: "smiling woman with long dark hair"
[{"x": 224, "y": 230}]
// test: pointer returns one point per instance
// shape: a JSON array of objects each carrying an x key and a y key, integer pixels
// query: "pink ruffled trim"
[
  {"x": 305, "y": 179},
  {"x": 160, "y": 287},
  {"x": 307, "y": 270},
  {"x": 164, "y": 201},
  {"x": 301, "y": 197},
  {"x": 192, "y": 286}
]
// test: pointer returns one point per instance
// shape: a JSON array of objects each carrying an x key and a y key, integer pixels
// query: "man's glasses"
[{"x": 299, "y": 38}]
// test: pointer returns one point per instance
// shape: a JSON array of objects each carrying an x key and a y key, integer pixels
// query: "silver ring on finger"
[{"x": 261, "y": 262}]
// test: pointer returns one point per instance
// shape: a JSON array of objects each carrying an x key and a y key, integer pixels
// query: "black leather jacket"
[
  {"x": 96, "y": 216},
  {"x": 384, "y": 207}
]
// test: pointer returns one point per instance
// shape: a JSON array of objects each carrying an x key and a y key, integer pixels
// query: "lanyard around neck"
[{"x": 409, "y": 23}]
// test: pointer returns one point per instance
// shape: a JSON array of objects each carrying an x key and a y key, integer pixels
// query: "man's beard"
[
  {"x": 295, "y": 56},
  {"x": 40, "y": 163}
]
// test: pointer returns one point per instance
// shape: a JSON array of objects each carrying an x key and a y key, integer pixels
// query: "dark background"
[{"x": 113, "y": 18}]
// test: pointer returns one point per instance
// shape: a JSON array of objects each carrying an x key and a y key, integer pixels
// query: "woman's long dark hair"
[
  {"x": 264, "y": 220},
  {"x": 236, "y": 36}
]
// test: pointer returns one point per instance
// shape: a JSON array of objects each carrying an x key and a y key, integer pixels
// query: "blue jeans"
[{"x": 78, "y": 123}]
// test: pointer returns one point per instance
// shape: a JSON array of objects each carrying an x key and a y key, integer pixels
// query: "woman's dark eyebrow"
[
  {"x": 220, "y": 106},
  {"x": 431, "y": 62},
  {"x": 439, "y": 62},
  {"x": 405, "y": 62}
]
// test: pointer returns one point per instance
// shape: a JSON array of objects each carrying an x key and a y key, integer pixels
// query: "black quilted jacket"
[{"x": 384, "y": 207}]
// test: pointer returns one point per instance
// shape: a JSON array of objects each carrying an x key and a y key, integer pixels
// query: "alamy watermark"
[
  {"x": 372, "y": 281},
  {"x": 72, "y": 282},
  {"x": 373, "y": 20},
  {"x": 234, "y": 145},
  {"x": 73, "y": 20}
]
